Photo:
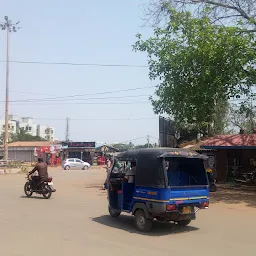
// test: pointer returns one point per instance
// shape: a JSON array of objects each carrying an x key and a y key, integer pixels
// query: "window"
[
  {"x": 78, "y": 161},
  {"x": 30, "y": 128},
  {"x": 71, "y": 160}
]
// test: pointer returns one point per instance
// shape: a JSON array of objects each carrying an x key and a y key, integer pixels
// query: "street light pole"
[{"x": 9, "y": 27}]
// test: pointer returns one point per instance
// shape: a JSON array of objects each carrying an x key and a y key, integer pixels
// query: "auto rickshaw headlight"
[{"x": 171, "y": 207}]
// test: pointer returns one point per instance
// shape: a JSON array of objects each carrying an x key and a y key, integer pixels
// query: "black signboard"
[{"x": 81, "y": 144}]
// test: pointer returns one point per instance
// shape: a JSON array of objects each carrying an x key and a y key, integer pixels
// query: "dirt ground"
[{"x": 75, "y": 221}]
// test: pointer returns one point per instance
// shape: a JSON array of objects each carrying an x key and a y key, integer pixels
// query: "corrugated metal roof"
[
  {"x": 235, "y": 140},
  {"x": 30, "y": 144}
]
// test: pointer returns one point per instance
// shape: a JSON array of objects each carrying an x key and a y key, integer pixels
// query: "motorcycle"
[
  {"x": 212, "y": 181},
  {"x": 246, "y": 178},
  {"x": 44, "y": 188}
]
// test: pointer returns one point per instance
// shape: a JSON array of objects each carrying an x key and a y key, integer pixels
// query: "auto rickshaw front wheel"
[
  {"x": 142, "y": 223},
  {"x": 183, "y": 223},
  {"x": 113, "y": 212}
]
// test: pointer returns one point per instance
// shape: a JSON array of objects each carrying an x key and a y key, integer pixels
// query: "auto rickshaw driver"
[{"x": 130, "y": 174}]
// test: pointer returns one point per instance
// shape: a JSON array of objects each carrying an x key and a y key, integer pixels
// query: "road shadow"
[
  {"x": 125, "y": 223},
  {"x": 234, "y": 196},
  {"x": 33, "y": 197}
]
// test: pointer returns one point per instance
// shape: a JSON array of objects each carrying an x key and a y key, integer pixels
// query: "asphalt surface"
[{"x": 75, "y": 221}]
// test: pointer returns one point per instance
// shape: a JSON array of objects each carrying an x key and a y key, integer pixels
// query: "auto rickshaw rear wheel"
[
  {"x": 142, "y": 223},
  {"x": 183, "y": 223},
  {"x": 113, "y": 212}
]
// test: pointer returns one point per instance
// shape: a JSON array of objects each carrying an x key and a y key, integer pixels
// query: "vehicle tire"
[
  {"x": 47, "y": 193},
  {"x": 237, "y": 183},
  {"x": 113, "y": 212},
  {"x": 183, "y": 223},
  {"x": 67, "y": 167},
  {"x": 141, "y": 222},
  {"x": 213, "y": 188},
  {"x": 27, "y": 189},
  {"x": 85, "y": 167}
]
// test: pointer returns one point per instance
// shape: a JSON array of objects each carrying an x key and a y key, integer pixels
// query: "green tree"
[
  {"x": 199, "y": 65},
  {"x": 22, "y": 135},
  {"x": 123, "y": 146}
]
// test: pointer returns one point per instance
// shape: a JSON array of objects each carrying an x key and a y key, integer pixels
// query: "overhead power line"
[
  {"x": 82, "y": 99},
  {"x": 77, "y": 64},
  {"x": 123, "y": 142},
  {"x": 98, "y": 119},
  {"x": 78, "y": 103},
  {"x": 84, "y": 95}
]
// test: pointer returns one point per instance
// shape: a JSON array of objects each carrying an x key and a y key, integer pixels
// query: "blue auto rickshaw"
[{"x": 169, "y": 185}]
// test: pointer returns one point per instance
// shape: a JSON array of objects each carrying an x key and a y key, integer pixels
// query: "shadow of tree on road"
[
  {"x": 125, "y": 223},
  {"x": 234, "y": 196}
]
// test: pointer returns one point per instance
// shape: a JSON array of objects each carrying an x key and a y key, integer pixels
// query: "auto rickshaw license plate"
[{"x": 186, "y": 209}]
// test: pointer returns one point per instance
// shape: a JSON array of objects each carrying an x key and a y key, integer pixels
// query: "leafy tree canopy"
[{"x": 198, "y": 64}]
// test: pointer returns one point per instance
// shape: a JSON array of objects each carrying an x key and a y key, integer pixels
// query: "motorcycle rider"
[{"x": 41, "y": 168}]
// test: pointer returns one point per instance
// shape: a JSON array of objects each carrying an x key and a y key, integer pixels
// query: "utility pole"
[
  {"x": 148, "y": 140},
  {"x": 67, "y": 129},
  {"x": 9, "y": 27}
]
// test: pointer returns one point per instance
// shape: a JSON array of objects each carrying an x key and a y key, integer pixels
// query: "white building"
[
  {"x": 27, "y": 123},
  {"x": 46, "y": 132},
  {"x": 12, "y": 125}
]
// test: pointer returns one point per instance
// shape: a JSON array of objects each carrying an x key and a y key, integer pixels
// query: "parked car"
[{"x": 75, "y": 163}]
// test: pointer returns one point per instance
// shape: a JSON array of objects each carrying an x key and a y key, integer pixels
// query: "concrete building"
[
  {"x": 11, "y": 124},
  {"x": 46, "y": 132},
  {"x": 27, "y": 123}
]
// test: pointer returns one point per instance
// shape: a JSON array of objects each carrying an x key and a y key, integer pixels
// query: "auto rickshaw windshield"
[
  {"x": 121, "y": 166},
  {"x": 185, "y": 172}
]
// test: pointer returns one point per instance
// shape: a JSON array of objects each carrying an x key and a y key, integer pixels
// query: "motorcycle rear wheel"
[
  {"x": 48, "y": 194},
  {"x": 27, "y": 189},
  {"x": 213, "y": 188}
]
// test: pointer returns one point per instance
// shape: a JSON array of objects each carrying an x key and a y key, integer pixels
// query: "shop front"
[
  {"x": 82, "y": 150},
  {"x": 103, "y": 153},
  {"x": 50, "y": 154}
]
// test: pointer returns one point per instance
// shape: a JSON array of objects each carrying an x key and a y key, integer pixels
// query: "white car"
[{"x": 75, "y": 163}]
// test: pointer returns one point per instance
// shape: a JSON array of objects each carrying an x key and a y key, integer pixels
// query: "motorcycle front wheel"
[
  {"x": 47, "y": 191},
  {"x": 27, "y": 189},
  {"x": 237, "y": 183}
]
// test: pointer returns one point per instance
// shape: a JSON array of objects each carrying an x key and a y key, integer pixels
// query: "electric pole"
[
  {"x": 148, "y": 140},
  {"x": 9, "y": 27},
  {"x": 67, "y": 130}
]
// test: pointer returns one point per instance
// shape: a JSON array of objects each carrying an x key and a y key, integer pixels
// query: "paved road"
[{"x": 76, "y": 222}]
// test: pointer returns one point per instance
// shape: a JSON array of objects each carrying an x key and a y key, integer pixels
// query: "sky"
[{"x": 80, "y": 31}]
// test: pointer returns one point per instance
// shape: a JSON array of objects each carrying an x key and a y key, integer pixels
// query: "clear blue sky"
[{"x": 80, "y": 32}]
